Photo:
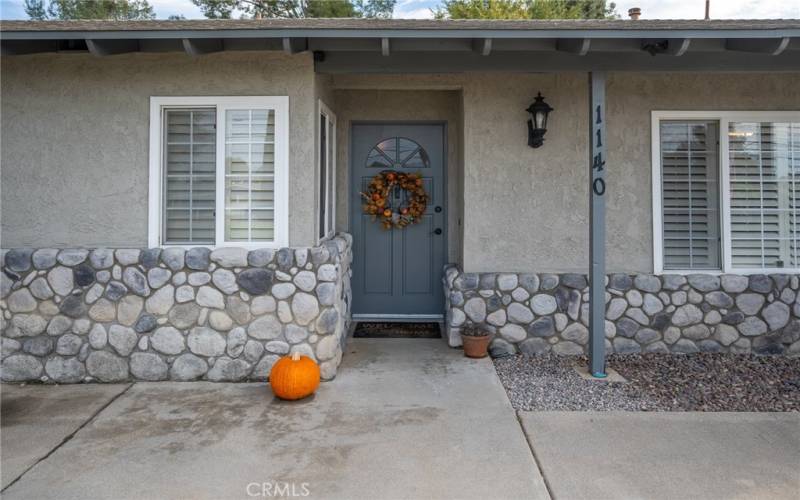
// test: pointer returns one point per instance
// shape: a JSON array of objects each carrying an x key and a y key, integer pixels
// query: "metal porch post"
[{"x": 597, "y": 225}]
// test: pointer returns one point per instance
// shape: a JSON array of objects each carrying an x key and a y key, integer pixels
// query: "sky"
[{"x": 421, "y": 9}]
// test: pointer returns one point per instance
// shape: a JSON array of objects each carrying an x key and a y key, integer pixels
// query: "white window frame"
[
  {"x": 280, "y": 106},
  {"x": 323, "y": 109},
  {"x": 723, "y": 118}
]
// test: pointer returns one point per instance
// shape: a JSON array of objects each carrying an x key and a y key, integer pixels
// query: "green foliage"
[
  {"x": 526, "y": 9},
  {"x": 120, "y": 10},
  {"x": 35, "y": 9},
  {"x": 482, "y": 9},
  {"x": 224, "y": 9}
]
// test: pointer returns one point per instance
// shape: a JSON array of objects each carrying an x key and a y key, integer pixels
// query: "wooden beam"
[
  {"x": 111, "y": 47},
  {"x": 579, "y": 46},
  {"x": 385, "y": 47},
  {"x": 524, "y": 62},
  {"x": 678, "y": 46},
  {"x": 295, "y": 45},
  {"x": 482, "y": 46},
  {"x": 771, "y": 46},
  {"x": 200, "y": 46}
]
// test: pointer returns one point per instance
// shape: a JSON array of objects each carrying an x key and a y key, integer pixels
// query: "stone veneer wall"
[
  {"x": 539, "y": 313},
  {"x": 79, "y": 315}
]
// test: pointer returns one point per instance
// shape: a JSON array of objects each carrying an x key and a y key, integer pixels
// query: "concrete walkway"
[
  {"x": 406, "y": 418},
  {"x": 36, "y": 419},
  {"x": 627, "y": 455}
]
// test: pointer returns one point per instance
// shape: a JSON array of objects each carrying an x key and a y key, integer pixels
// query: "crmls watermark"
[{"x": 278, "y": 489}]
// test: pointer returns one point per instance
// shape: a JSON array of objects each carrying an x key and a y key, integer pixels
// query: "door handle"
[{"x": 437, "y": 231}]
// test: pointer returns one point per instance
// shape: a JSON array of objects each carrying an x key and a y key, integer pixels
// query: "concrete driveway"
[
  {"x": 628, "y": 455},
  {"x": 406, "y": 418}
]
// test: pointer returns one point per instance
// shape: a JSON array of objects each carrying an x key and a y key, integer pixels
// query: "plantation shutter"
[
  {"x": 190, "y": 176},
  {"x": 690, "y": 194},
  {"x": 765, "y": 194},
  {"x": 249, "y": 175}
]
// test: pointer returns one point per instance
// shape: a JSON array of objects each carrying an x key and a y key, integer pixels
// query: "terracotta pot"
[{"x": 475, "y": 347}]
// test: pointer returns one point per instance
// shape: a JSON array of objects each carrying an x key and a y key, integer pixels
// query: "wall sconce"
[{"x": 537, "y": 125}]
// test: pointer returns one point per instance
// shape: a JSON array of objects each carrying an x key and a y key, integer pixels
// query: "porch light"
[{"x": 537, "y": 125}]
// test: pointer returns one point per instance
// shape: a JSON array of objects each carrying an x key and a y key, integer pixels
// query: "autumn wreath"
[{"x": 396, "y": 198}]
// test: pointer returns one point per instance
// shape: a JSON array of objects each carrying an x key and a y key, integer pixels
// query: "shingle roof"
[{"x": 398, "y": 24}]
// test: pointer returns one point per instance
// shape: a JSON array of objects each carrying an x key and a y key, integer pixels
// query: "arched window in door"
[{"x": 397, "y": 153}]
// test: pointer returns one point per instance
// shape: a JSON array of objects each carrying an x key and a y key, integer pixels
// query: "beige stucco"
[
  {"x": 75, "y": 139},
  {"x": 527, "y": 209},
  {"x": 75, "y": 143},
  {"x": 630, "y": 99}
]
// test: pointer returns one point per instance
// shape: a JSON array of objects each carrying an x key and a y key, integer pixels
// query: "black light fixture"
[{"x": 537, "y": 125}]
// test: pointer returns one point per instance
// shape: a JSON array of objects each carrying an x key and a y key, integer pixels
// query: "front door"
[{"x": 397, "y": 273}]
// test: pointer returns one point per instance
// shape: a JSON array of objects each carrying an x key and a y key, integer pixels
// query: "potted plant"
[{"x": 476, "y": 341}]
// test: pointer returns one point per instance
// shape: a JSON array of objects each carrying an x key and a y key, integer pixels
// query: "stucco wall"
[
  {"x": 74, "y": 156},
  {"x": 527, "y": 209},
  {"x": 75, "y": 139},
  {"x": 403, "y": 105},
  {"x": 630, "y": 99}
]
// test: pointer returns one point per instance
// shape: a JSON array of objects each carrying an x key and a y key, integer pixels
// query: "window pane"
[
  {"x": 331, "y": 176},
  {"x": 765, "y": 193},
  {"x": 690, "y": 194},
  {"x": 249, "y": 174},
  {"x": 189, "y": 171},
  {"x": 323, "y": 174}
]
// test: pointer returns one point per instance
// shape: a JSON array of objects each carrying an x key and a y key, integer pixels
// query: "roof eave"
[{"x": 400, "y": 33}]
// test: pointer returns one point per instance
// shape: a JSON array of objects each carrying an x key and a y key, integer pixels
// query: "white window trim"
[
  {"x": 323, "y": 109},
  {"x": 724, "y": 118},
  {"x": 280, "y": 104}
]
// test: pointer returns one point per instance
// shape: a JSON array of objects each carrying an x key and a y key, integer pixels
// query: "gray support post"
[{"x": 597, "y": 228}]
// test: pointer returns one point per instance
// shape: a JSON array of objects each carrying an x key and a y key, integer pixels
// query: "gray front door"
[{"x": 397, "y": 273}]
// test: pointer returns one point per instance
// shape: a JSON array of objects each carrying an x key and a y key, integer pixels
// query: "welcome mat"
[{"x": 397, "y": 330}]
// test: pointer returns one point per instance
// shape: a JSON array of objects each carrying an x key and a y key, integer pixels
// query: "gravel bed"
[{"x": 656, "y": 382}]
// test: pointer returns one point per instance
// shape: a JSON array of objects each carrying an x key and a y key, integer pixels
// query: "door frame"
[{"x": 402, "y": 318}]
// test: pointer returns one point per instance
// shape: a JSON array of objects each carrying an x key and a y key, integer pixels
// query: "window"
[
  {"x": 397, "y": 152},
  {"x": 218, "y": 171},
  {"x": 765, "y": 194},
  {"x": 726, "y": 190},
  {"x": 326, "y": 156},
  {"x": 189, "y": 150},
  {"x": 690, "y": 190}
]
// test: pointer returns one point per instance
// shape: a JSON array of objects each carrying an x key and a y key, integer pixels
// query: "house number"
[{"x": 598, "y": 163}]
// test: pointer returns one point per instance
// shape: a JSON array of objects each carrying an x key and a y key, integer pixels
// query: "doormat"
[{"x": 397, "y": 330}]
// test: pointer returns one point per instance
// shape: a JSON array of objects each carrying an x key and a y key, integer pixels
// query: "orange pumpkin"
[{"x": 294, "y": 377}]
